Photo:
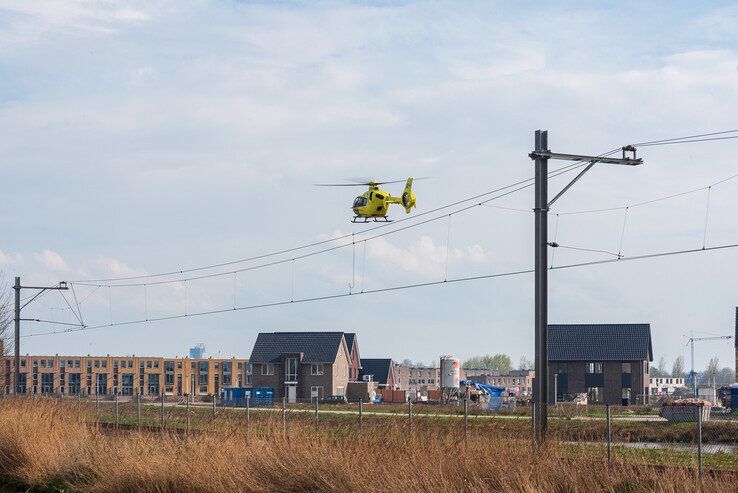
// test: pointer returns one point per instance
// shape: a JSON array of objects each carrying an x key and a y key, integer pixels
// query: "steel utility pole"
[
  {"x": 541, "y": 155},
  {"x": 17, "y": 319}
]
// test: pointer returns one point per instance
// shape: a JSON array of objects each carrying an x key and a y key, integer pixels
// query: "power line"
[
  {"x": 651, "y": 201},
  {"x": 554, "y": 174},
  {"x": 321, "y": 242},
  {"x": 393, "y": 288},
  {"x": 690, "y": 141},
  {"x": 582, "y": 249},
  {"x": 688, "y": 137}
]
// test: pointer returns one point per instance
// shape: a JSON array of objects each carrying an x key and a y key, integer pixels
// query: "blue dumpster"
[{"x": 237, "y": 396}]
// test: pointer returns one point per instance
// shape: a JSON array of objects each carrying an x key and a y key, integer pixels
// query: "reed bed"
[{"x": 49, "y": 445}]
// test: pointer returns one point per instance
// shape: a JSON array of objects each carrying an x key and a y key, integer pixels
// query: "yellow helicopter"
[{"x": 373, "y": 204}]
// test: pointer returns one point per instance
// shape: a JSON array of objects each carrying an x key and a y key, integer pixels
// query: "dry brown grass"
[{"x": 49, "y": 444}]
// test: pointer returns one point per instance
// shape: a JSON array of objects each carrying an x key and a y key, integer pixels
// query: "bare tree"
[
  {"x": 660, "y": 370},
  {"x": 525, "y": 363},
  {"x": 6, "y": 320},
  {"x": 677, "y": 369}
]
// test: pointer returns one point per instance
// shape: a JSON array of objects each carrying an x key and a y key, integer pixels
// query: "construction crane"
[{"x": 691, "y": 341}]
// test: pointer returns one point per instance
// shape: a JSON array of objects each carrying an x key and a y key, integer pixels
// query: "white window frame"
[
  {"x": 291, "y": 377},
  {"x": 317, "y": 369},
  {"x": 267, "y": 368}
]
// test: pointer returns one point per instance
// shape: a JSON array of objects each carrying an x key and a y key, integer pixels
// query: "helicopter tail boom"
[{"x": 408, "y": 197}]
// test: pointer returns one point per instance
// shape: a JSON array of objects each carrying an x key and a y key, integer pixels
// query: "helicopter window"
[
  {"x": 379, "y": 207},
  {"x": 360, "y": 202},
  {"x": 379, "y": 196}
]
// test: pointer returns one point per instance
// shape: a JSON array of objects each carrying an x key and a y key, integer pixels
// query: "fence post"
[
  {"x": 162, "y": 410},
  {"x": 97, "y": 402},
  {"x": 410, "y": 417},
  {"x": 213, "y": 404},
  {"x": 699, "y": 443},
  {"x": 284, "y": 417},
  {"x": 466, "y": 419},
  {"x": 316, "y": 414},
  {"x": 248, "y": 416},
  {"x": 361, "y": 409},
  {"x": 187, "y": 411},
  {"x": 533, "y": 422},
  {"x": 138, "y": 410},
  {"x": 117, "y": 410},
  {"x": 609, "y": 436}
]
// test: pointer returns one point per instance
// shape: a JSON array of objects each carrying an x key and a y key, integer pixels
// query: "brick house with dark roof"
[
  {"x": 301, "y": 365},
  {"x": 354, "y": 356},
  {"x": 608, "y": 362},
  {"x": 383, "y": 372}
]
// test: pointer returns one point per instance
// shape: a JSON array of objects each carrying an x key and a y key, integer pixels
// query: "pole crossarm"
[
  {"x": 581, "y": 158},
  {"x": 547, "y": 154},
  {"x": 17, "y": 287},
  {"x": 572, "y": 182}
]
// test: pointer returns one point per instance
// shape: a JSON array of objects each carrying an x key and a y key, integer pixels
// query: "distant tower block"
[{"x": 198, "y": 351}]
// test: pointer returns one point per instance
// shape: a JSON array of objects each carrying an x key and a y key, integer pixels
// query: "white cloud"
[
  {"x": 52, "y": 260},
  {"x": 111, "y": 267},
  {"x": 30, "y": 21},
  {"x": 423, "y": 256},
  {"x": 10, "y": 258}
]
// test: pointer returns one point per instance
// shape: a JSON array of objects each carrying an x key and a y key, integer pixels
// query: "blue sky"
[{"x": 147, "y": 137}]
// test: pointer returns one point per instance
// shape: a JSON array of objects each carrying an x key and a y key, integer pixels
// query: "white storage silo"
[{"x": 450, "y": 372}]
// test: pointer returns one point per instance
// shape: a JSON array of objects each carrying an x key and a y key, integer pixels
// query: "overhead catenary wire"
[
  {"x": 689, "y": 141},
  {"x": 78, "y": 317},
  {"x": 556, "y": 173},
  {"x": 707, "y": 216},
  {"x": 556, "y": 234},
  {"x": 437, "y": 282},
  {"x": 394, "y": 288},
  {"x": 650, "y": 201},
  {"x": 93, "y": 282},
  {"x": 582, "y": 249},
  {"x": 568, "y": 168},
  {"x": 448, "y": 246},
  {"x": 687, "y": 137},
  {"x": 363, "y": 267},
  {"x": 691, "y": 138}
]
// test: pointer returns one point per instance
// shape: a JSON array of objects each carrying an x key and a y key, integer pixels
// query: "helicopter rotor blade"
[
  {"x": 366, "y": 183},
  {"x": 403, "y": 181},
  {"x": 364, "y": 180}
]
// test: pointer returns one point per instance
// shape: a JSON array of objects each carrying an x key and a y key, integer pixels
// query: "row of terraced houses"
[
  {"x": 130, "y": 375},
  {"x": 608, "y": 362}
]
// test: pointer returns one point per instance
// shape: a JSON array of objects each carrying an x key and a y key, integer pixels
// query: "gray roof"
[
  {"x": 379, "y": 368},
  {"x": 349, "y": 337},
  {"x": 600, "y": 342},
  {"x": 317, "y": 347}
]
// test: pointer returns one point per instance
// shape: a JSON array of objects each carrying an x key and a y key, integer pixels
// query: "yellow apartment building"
[{"x": 129, "y": 375}]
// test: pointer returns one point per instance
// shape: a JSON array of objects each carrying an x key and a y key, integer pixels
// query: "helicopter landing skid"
[{"x": 363, "y": 220}]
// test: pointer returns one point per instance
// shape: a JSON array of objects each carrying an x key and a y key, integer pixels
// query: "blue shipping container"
[{"x": 237, "y": 396}]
